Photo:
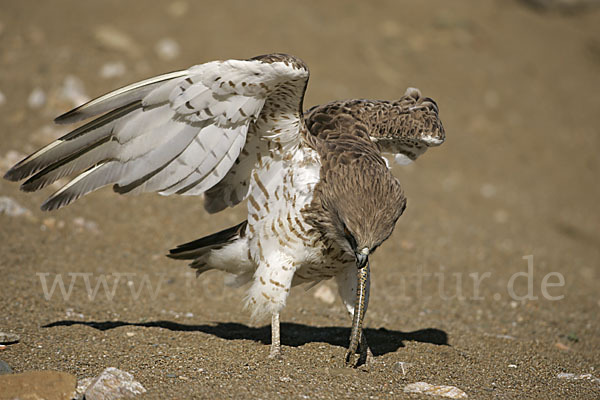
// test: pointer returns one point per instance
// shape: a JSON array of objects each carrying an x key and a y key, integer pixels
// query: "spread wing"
[
  {"x": 405, "y": 128},
  {"x": 181, "y": 132}
]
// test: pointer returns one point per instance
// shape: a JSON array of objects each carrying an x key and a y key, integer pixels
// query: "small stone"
[
  {"x": 112, "y": 70},
  {"x": 177, "y": 9},
  {"x": 82, "y": 385},
  {"x": 512, "y": 366},
  {"x": 488, "y": 190},
  {"x": 11, "y": 208},
  {"x": 10, "y": 159},
  {"x": 70, "y": 313},
  {"x": 9, "y": 338},
  {"x": 451, "y": 392},
  {"x": 130, "y": 334},
  {"x": 49, "y": 223},
  {"x": 73, "y": 91},
  {"x": 2, "y": 99},
  {"x": 82, "y": 223},
  {"x": 5, "y": 368},
  {"x": 577, "y": 377},
  {"x": 37, "y": 98},
  {"x": 507, "y": 337},
  {"x": 325, "y": 294},
  {"x": 113, "y": 383},
  {"x": 112, "y": 38},
  {"x": 402, "y": 366},
  {"x": 167, "y": 49},
  {"x": 285, "y": 379},
  {"x": 38, "y": 385},
  {"x": 561, "y": 346}
]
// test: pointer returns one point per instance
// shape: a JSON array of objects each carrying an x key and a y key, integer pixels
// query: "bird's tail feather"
[{"x": 199, "y": 249}]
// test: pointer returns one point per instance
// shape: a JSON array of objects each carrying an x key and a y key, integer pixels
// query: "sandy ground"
[{"x": 517, "y": 177}]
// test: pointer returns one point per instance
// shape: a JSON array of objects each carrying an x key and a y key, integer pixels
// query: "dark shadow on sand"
[{"x": 381, "y": 341}]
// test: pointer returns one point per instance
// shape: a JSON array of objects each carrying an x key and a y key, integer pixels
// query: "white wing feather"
[{"x": 180, "y": 132}]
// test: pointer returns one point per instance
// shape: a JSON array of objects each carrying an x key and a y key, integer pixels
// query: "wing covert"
[{"x": 405, "y": 128}]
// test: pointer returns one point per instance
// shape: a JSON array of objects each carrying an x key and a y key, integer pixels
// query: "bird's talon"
[{"x": 351, "y": 360}]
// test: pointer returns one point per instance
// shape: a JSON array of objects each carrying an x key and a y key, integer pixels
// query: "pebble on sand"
[
  {"x": 402, "y": 366},
  {"x": 113, "y": 39},
  {"x": 9, "y": 338},
  {"x": 451, "y": 392},
  {"x": 5, "y": 368},
  {"x": 37, "y": 98},
  {"x": 325, "y": 294},
  {"x": 112, "y": 383},
  {"x": 10, "y": 159},
  {"x": 112, "y": 70},
  {"x": 82, "y": 223},
  {"x": 72, "y": 91},
  {"x": 11, "y": 208},
  {"x": 577, "y": 377},
  {"x": 167, "y": 49}
]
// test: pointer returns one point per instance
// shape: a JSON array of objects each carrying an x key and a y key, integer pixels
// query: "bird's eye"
[
  {"x": 349, "y": 237},
  {"x": 347, "y": 232}
]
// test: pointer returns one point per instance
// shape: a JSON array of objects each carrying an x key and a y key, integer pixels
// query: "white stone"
[
  {"x": 112, "y": 38},
  {"x": 577, "y": 377},
  {"x": 113, "y": 383},
  {"x": 167, "y": 49},
  {"x": 11, "y": 208},
  {"x": 37, "y": 98},
  {"x": 451, "y": 392},
  {"x": 112, "y": 70},
  {"x": 73, "y": 91},
  {"x": 325, "y": 294}
]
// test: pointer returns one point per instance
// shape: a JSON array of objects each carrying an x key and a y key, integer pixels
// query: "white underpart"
[
  {"x": 276, "y": 249},
  {"x": 402, "y": 159}
]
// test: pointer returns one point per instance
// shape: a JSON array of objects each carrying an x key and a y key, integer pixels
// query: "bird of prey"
[{"x": 321, "y": 197}]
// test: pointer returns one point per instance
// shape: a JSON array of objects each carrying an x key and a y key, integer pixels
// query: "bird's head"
[{"x": 359, "y": 203}]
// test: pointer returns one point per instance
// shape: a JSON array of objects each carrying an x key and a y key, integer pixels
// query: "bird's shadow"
[{"x": 381, "y": 341}]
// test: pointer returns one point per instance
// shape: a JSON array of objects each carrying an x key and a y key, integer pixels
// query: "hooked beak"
[{"x": 362, "y": 257}]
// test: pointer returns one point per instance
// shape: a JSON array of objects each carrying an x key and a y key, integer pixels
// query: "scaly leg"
[
  {"x": 357, "y": 334},
  {"x": 275, "y": 340}
]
